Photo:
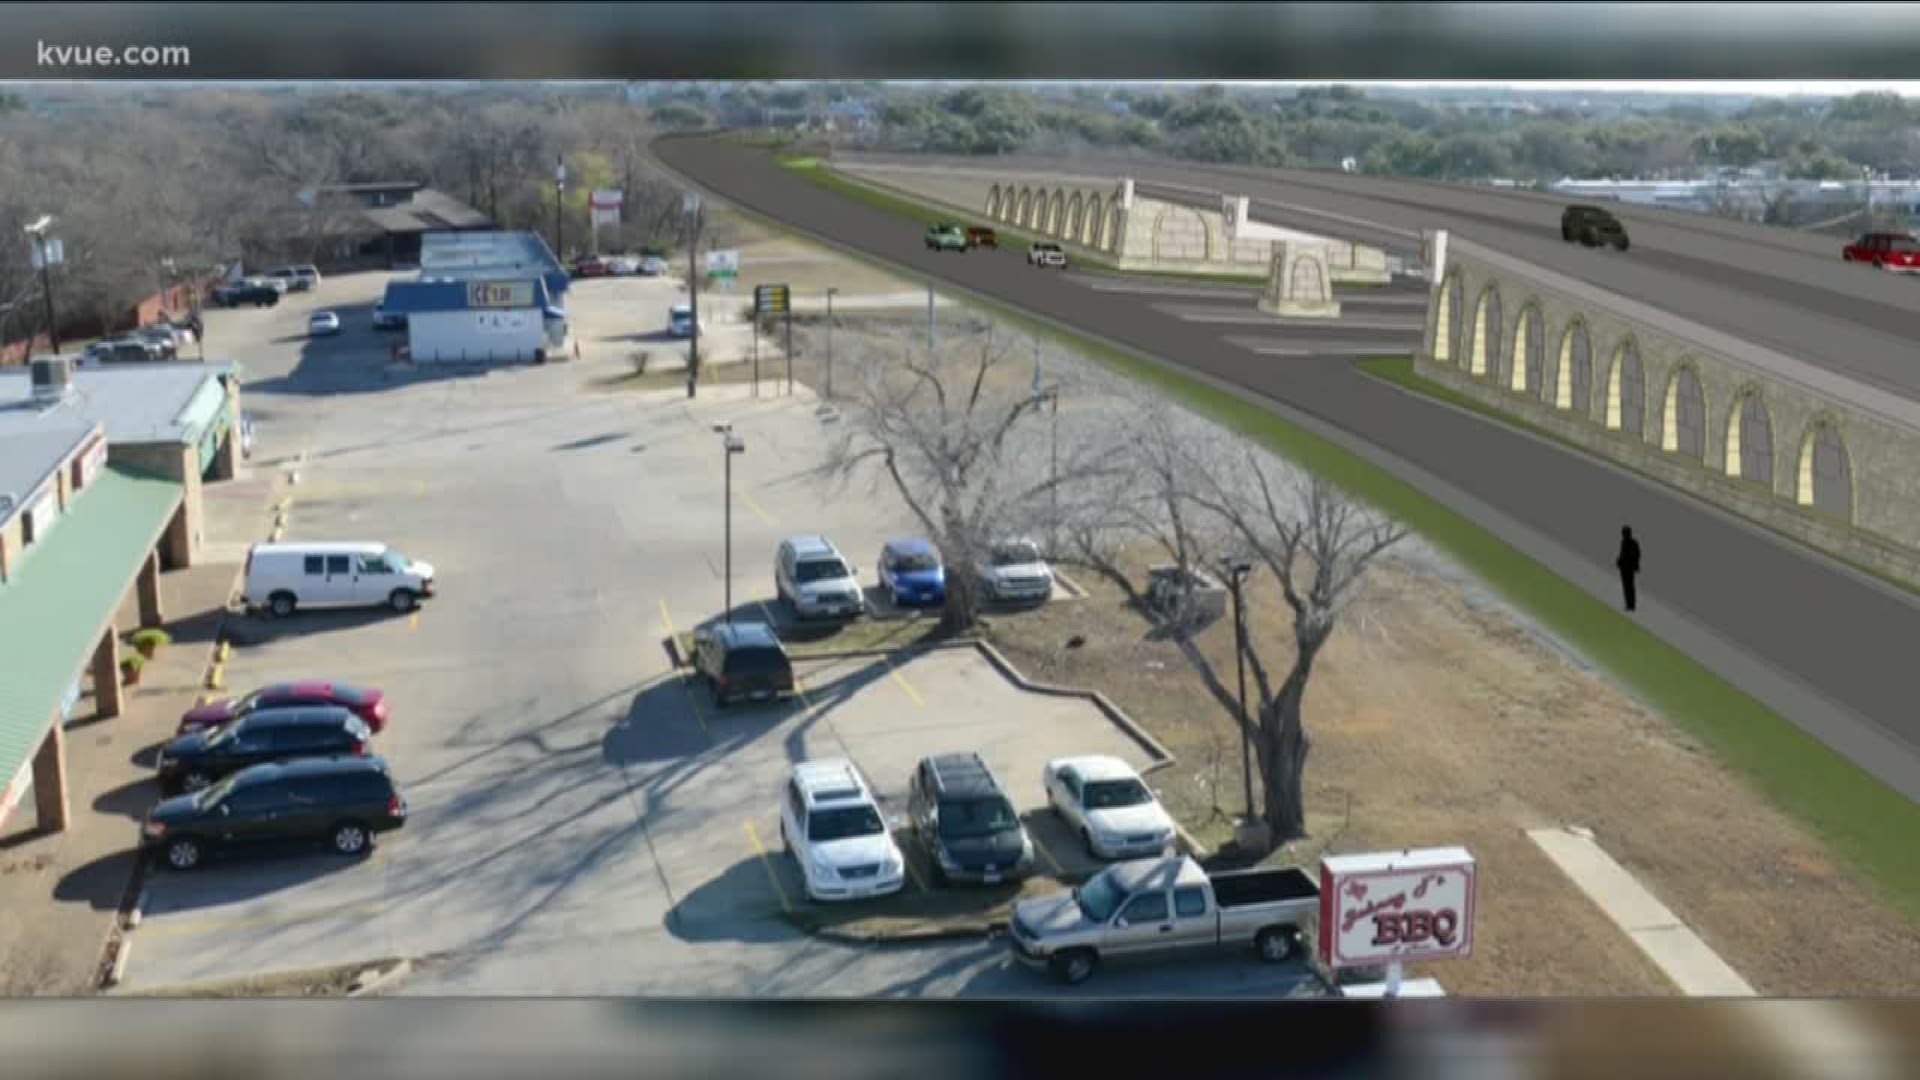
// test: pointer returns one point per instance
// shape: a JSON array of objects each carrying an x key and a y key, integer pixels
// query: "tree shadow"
[
  {"x": 745, "y": 903},
  {"x": 130, "y": 800},
  {"x": 592, "y": 441},
  {"x": 248, "y": 631},
  {"x": 200, "y": 628}
]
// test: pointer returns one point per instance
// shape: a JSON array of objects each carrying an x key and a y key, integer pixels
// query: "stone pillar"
[
  {"x": 106, "y": 676},
  {"x": 1299, "y": 285},
  {"x": 148, "y": 585},
  {"x": 50, "y": 780},
  {"x": 176, "y": 544}
]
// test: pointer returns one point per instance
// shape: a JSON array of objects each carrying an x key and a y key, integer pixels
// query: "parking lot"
[{"x": 582, "y": 819}]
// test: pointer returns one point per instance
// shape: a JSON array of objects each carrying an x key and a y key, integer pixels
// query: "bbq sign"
[{"x": 1396, "y": 906}]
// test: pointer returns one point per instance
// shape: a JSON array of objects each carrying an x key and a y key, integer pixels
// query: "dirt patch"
[
  {"x": 324, "y": 982},
  {"x": 1437, "y": 718}
]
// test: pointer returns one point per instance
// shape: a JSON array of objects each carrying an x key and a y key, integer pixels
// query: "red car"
[
  {"x": 590, "y": 266},
  {"x": 368, "y": 705},
  {"x": 1886, "y": 251}
]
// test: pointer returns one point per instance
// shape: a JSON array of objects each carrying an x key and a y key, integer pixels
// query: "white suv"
[
  {"x": 813, "y": 577},
  {"x": 831, "y": 825}
]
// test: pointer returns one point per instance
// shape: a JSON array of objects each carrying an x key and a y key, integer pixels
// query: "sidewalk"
[{"x": 61, "y": 893}]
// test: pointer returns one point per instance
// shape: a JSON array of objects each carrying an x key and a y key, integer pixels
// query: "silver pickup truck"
[{"x": 1149, "y": 908}]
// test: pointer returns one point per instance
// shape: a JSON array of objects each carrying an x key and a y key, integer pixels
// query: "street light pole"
[
  {"x": 45, "y": 252},
  {"x": 559, "y": 216},
  {"x": 732, "y": 444},
  {"x": 692, "y": 207}
]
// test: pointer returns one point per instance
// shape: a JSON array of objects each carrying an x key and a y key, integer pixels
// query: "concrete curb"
[
  {"x": 135, "y": 914},
  {"x": 119, "y": 969},
  {"x": 945, "y": 934},
  {"x": 391, "y": 975}
]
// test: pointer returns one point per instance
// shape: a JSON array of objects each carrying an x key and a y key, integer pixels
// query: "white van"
[{"x": 283, "y": 577}]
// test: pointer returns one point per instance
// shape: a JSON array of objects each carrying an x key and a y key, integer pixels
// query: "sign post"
[
  {"x": 772, "y": 300},
  {"x": 1394, "y": 907}
]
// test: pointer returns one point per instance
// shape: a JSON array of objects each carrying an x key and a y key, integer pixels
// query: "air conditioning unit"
[{"x": 51, "y": 377}]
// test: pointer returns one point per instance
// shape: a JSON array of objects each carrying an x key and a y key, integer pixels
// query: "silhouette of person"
[{"x": 1628, "y": 563}]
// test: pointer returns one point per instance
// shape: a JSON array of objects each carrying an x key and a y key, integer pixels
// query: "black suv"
[
  {"x": 1592, "y": 227},
  {"x": 744, "y": 661},
  {"x": 963, "y": 819},
  {"x": 196, "y": 760},
  {"x": 256, "y": 294},
  {"x": 343, "y": 801}
]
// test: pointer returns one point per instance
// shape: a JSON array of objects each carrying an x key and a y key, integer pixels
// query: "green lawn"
[{"x": 1864, "y": 821}]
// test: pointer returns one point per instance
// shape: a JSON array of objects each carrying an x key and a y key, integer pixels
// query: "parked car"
[
  {"x": 294, "y": 279},
  {"x": 246, "y": 294},
  {"x": 742, "y": 661},
  {"x": 1015, "y": 571},
  {"x": 125, "y": 350},
  {"x": 1885, "y": 251},
  {"x": 163, "y": 337},
  {"x": 911, "y": 573},
  {"x": 588, "y": 266},
  {"x": 195, "y": 760},
  {"x": 1104, "y": 801},
  {"x": 277, "y": 284},
  {"x": 285, "y": 577},
  {"x": 368, "y": 704},
  {"x": 1154, "y": 909},
  {"x": 946, "y": 238},
  {"x": 323, "y": 324},
  {"x": 831, "y": 824},
  {"x": 388, "y": 320},
  {"x": 1045, "y": 253},
  {"x": 680, "y": 321},
  {"x": 654, "y": 266},
  {"x": 962, "y": 817},
  {"x": 979, "y": 236},
  {"x": 623, "y": 265},
  {"x": 1593, "y": 226},
  {"x": 815, "y": 581},
  {"x": 308, "y": 273},
  {"x": 344, "y": 801}
]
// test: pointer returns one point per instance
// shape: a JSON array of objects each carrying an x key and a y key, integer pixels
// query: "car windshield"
[
  {"x": 1015, "y": 554},
  {"x": 819, "y": 570},
  {"x": 917, "y": 561},
  {"x": 223, "y": 734},
  {"x": 1099, "y": 898},
  {"x": 1108, "y": 794},
  {"x": 963, "y": 819},
  {"x": 399, "y": 562},
  {"x": 844, "y": 823}
]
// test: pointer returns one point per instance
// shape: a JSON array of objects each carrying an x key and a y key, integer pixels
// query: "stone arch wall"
[
  {"x": 1683, "y": 412},
  {"x": 1445, "y": 331},
  {"x": 1526, "y": 353},
  {"x": 1180, "y": 235},
  {"x": 1096, "y": 216},
  {"x": 1573, "y": 370},
  {"x": 993, "y": 201},
  {"x": 1748, "y": 453},
  {"x": 1023, "y": 210},
  {"x": 1824, "y": 481},
  {"x": 1110, "y": 231},
  {"x": 1626, "y": 398},
  {"x": 1057, "y": 213},
  {"x": 1485, "y": 351},
  {"x": 1076, "y": 209}
]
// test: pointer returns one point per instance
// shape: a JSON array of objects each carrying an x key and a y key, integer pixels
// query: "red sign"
[{"x": 1396, "y": 907}]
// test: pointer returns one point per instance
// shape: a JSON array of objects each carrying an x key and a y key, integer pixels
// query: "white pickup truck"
[{"x": 1149, "y": 908}]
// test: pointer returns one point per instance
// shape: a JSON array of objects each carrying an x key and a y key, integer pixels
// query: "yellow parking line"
[
  {"x": 666, "y": 619},
  {"x": 413, "y": 621},
  {"x": 772, "y": 874},
  {"x": 904, "y": 684},
  {"x": 693, "y": 702},
  {"x": 754, "y": 506},
  {"x": 168, "y": 928}
]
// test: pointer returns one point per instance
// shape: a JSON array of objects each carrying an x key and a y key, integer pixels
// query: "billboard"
[
  {"x": 771, "y": 300},
  {"x": 605, "y": 207},
  {"x": 1396, "y": 907},
  {"x": 499, "y": 294}
]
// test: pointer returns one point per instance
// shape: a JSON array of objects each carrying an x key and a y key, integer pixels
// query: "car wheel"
[
  {"x": 350, "y": 838},
  {"x": 1620, "y": 244},
  {"x": 1074, "y": 966},
  {"x": 183, "y": 853},
  {"x": 282, "y": 604},
  {"x": 1277, "y": 944},
  {"x": 403, "y": 600}
]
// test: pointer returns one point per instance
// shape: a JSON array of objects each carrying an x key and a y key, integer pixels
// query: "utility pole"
[
  {"x": 46, "y": 252},
  {"x": 691, "y": 205},
  {"x": 559, "y": 216}
]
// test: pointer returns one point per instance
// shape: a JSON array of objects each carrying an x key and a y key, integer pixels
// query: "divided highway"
[{"x": 1818, "y": 642}]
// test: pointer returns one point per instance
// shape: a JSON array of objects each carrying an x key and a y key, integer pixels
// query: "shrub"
[
  {"x": 132, "y": 663},
  {"x": 149, "y": 640}
]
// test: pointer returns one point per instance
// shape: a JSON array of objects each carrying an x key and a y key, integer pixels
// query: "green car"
[{"x": 946, "y": 238}]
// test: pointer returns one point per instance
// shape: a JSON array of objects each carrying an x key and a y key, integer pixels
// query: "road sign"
[
  {"x": 771, "y": 300},
  {"x": 723, "y": 264}
]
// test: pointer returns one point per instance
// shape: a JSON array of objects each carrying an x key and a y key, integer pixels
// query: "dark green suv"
[
  {"x": 343, "y": 801},
  {"x": 1592, "y": 227}
]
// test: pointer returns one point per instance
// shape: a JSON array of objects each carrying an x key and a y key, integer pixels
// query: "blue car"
[{"x": 911, "y": 573}]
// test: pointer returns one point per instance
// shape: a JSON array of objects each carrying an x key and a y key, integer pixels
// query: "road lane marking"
[{"x": 772, "y": 875}]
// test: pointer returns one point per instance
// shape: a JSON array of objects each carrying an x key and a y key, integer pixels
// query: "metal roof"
[
  {"x": 506, "y": 255},
  {"x": 28, "y": 458},
  {"x": 68, "y": 589},
  {"x": 154, "y": 402},
  {"x": 438, "y": 294}
]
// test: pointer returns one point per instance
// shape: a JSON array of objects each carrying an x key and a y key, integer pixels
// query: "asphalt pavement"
[{"x": 1817, "y": 641}]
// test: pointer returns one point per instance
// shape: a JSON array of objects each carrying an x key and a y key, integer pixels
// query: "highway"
[
  {"x": 1820, "y": 643},
  {"x": 1774, "y": 287}
]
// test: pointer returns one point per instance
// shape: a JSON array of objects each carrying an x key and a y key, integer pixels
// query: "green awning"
[{"x": 64, "y": 591}]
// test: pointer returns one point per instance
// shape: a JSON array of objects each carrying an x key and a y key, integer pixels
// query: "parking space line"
[
  {"x": 772, "y": 875},
  {"x": 693, "y": 702},
  {"x": 753, "y": 506},
  {"x": 413, "y": 621},
  {"x": 904, "y": 684}
]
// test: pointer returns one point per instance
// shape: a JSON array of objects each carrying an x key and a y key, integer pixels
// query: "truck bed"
[{"x": 1241, "y": 888}]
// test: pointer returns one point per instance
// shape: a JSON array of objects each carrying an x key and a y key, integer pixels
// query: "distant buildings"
[
  {"x": 483, "y": 297},
  {"x": 381, "y": 224}
]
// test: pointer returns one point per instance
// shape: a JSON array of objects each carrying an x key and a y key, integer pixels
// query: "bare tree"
[{"x": 957, "y": 435}]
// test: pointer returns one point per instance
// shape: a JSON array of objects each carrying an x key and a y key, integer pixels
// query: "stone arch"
[
  {"x": 993, "y": 201},
  {"x": 1447, "y": 321},
  {"x": 1075, "y": 211},
  {"x": 1057, "y": 213},
  {"x": 1527, "y": 352},
  {"x": 1022, "y": 208},
  {"x": 1110, "y": 232},
  {"x": 1486, "y": 328},
  {"x": 1749, "y": 443},
  {"x": 1180, "y": 233},
  {"x": 1573, "y": 372},
  {"x": 1627, "y": 390},
  {"x": 1090, "y": 228},
  {"x": 1009, "y": 202},
  {"x": 1825, "y": 480},
  {"x": 1683, "y": 414},
  {"x": 1308, "y": 280},
  {"x": 1037, "y": 216}
]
